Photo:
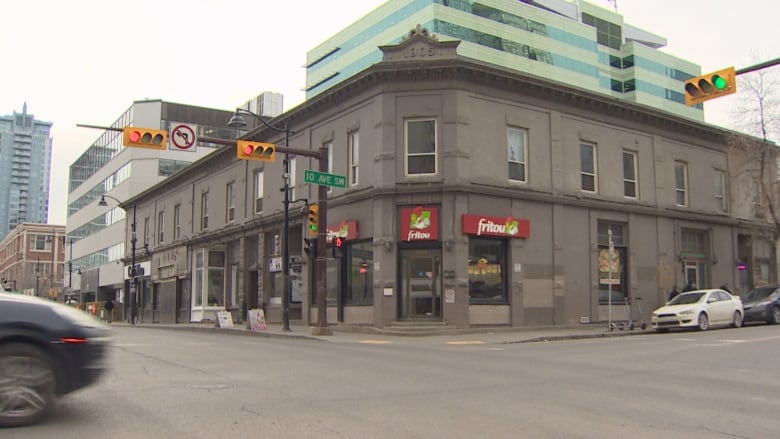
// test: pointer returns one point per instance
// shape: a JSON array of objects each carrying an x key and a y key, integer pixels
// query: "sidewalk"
[{"x": 348, "y": 333}]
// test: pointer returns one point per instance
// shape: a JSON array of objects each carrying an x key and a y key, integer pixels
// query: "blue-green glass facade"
[{"x": 592, "y": 52}]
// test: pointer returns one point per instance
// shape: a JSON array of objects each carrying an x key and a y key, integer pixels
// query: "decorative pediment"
[{"x": 420, "y": 45}]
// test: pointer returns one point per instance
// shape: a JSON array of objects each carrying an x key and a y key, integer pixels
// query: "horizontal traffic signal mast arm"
[
  {"x": 758, "y": 66},
  {"x": 282, "y": 149}
]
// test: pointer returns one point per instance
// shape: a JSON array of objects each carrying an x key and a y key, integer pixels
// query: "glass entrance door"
[{"x": 421, "y": 284}]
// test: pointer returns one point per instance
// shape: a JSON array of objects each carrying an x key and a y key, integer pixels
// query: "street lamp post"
[
  {"x": 238, "y": 122},
  {"x": 133, "y": 239}
]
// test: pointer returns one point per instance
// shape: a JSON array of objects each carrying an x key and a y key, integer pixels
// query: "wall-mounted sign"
[
  {"x": 347, "y": 230},
  {"x": 507, "y": 227},
  {"x": 420, "y": 223}
]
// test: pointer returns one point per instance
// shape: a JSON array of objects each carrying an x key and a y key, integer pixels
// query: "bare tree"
[{"x": 754, "y": 164}]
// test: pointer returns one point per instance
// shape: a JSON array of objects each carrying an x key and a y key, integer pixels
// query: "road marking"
[
  {"x": 465, "y": 342},
  {"x": 375, "y": 341}
]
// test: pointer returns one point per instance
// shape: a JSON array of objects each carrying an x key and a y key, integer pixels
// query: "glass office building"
[{"x": 572, "y": 42}]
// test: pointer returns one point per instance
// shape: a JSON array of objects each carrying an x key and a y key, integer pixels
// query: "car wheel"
[
  {"x": 737, "y": 321},
  {"x": 27, "y": 385},
  {"x": 704, "y": 322},
  {"x": 774, "y": 319}
]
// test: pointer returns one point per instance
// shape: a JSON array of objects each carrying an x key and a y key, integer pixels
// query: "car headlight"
[{"x": 685, "y": 312}]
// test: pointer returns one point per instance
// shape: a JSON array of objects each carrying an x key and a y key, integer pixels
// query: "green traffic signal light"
[
  {"x": 712, "y": 85},
  {"x": 719, "y": 82}
]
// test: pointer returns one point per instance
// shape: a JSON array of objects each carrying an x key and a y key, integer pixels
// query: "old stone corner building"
[{"x": 475, "y": 196}]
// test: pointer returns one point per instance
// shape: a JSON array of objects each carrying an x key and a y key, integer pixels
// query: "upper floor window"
[
  {"x": 629, "y": 174},
  {"x": 681, "y": 183},
  {"x": 588, "y": 167},
  {"x": 230, "y": 202},
  {"x": 720, "y": 190},
  {"x": 516, "y": 140},
  {"x": 420, "y": 147},
  {"x": 147, "y": 230},
  {"x": 258, "y": 191},
  {"x": 353, "y": 139},
  {"x": 160, "y": 227},
  {"x": 176, "y": 221},
  {"x": 292, "y": 169},
  {"x": 756, "y": 192},
  {"x": 204, "y": 210},
  {"x": 40, "y": 242}
]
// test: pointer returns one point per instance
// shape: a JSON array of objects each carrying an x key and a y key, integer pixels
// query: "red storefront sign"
[
  {"x": 420, "y": 224},
  {"x": 481, "y": 225},
  {"x": 347, "y": 230}
]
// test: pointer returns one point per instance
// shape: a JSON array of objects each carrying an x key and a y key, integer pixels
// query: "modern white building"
[
  {"x": 95, "y": 233},
  {"x": 573, "y": 42}
]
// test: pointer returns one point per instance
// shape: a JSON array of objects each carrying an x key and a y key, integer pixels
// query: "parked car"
[
  {"x": 47, "y": 349},
  {"x": 699, "y": 309},
  {"x": 762, "y": 304}
]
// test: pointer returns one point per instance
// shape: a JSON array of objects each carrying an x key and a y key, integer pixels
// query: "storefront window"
[
  {"x": 197, "y": 288},
  {"x": 487, "y": 270},
  {"x": 613, "y": 267},
  {"x": 216, "y": 279},
  {"x": 361, "y": 274}
]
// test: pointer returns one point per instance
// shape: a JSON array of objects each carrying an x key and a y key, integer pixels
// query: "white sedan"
[{"x": 699, "y": 309}]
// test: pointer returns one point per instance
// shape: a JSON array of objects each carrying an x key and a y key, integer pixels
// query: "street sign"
[{"x": 324, "y": 179}]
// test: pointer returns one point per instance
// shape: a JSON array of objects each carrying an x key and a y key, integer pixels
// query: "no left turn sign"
[{"x": 183, "y": 136}]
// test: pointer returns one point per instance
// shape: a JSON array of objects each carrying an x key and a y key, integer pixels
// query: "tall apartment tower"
[
  {"x": 573, "y": 42},
  {"x": 25, "y": 167}
]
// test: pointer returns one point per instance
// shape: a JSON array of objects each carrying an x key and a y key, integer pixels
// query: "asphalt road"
[{"x": 181, "y": 384}]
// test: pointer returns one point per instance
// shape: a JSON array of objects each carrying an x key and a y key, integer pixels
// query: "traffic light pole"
[
  {"x": 133, "y": 286},
  {"x": 285, "y": 235},
  {"x": 322, "y": 285}
]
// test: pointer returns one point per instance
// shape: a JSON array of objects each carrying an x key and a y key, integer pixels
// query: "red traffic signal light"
[
  {"x": 250, "y": 150},
  {"x": 710, "y": 86},
  {"x": 145, "y": 138}
]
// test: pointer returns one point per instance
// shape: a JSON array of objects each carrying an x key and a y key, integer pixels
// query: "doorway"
[{"x": 421, "y": 284}]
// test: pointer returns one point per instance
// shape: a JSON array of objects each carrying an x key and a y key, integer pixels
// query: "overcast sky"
[{"x": 86, "y": 61}]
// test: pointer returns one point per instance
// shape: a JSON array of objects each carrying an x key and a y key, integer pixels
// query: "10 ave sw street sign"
[{"x": 324, "y": 179}]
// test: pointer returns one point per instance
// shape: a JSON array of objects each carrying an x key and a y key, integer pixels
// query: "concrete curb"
[{"x": 520, "y": 335}]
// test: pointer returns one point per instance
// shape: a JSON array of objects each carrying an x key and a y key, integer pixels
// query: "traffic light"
[
  {"x": 145, "y": 138},
  {"x": 249, "y": 150},
  {"x": 314, "y": 220},
  {"x": 710, "y": 86}
]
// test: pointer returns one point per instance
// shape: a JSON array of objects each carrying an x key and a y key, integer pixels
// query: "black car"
[
  {"x": 762, "y": 304},
  {"x": 46, "y": 349}
]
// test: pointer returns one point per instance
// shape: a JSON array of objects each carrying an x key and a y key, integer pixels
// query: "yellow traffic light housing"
[
  {"x": 314, "y": 220},
  {"x": 250, "y": 150},
  {"x": 145, "y": 138},
  {"x": 710, "y": 86}
]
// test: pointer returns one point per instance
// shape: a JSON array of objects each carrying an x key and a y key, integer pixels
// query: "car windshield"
[
  {"x": 687, "y": 298},
  {"x": 760, "y": 293}
]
